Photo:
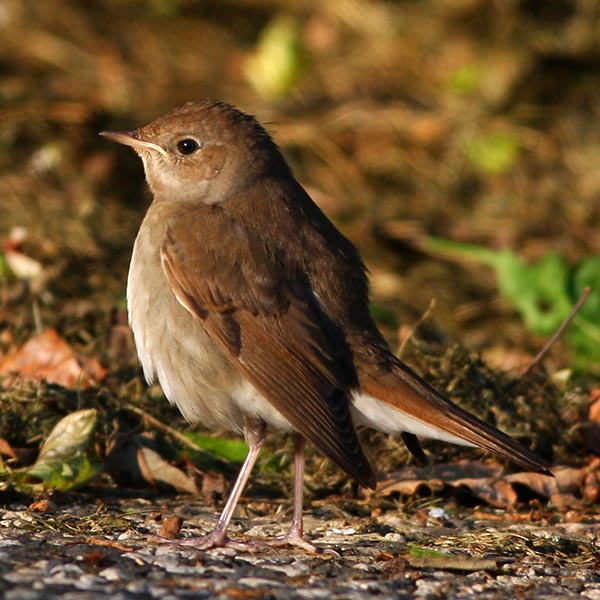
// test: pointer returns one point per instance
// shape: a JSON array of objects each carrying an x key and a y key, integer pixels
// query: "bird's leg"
[
  {"x": 296, "y": 532},
  {"x": 295, "y": 536},
  {"x": 254, "y": 434}
]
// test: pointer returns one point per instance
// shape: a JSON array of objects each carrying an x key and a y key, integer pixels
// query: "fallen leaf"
[
  {"x": 67, "y": 459},
  {"x": 591, "y": 482},
  {"x": 6, "y": 449},
  {"x": 133, "y": 461},
  {"x": 212, "y": 485},
  {"x": 233, "y": 450},
  {"x": 566, "y": 480},
  {"x": 595, "y": 406},
  {"x": 564, "y": 502},
  {"x": 497, "y": 493},
  {"x": 42, "y": 505},
  {"x": 170, "y": 527},
  {"x": 155, "y": 469},
  {"x": 485, "y": 482},
  {"x": 408, "y": 487},
  {"x": 49, "y": 357}
]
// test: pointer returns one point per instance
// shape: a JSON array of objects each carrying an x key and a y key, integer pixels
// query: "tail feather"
[{"x": 419, "y": 407}]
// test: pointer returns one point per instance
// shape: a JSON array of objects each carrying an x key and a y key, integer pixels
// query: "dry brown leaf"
[
  {"x": 564, "y": 502},
  {"x": 49, "y": 357},
  {"x": 212, "y": 485},
  {"x": 591, "y": 488},
  {"x": 486, "y": 482},
  {"x": 131, "y": 461},
  {"x": 495, "y": 492},
  {"x": 42, "y": 505},
  {"x": 6, "y": 449},
  {"x": 94, "y": 558},
  {"x": 566, "y": 480},
  {"x": 155, "y": 469},
  {"x": 170, "y": 527},
  {"x": 595, "y": 406},
  {"x": 591, "y": 482},
  {"x": 480, "y": 479},
  {"x": 408, "y": 487}
]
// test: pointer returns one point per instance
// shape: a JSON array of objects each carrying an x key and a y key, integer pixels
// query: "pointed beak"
[{"x": 133, "y": 139}]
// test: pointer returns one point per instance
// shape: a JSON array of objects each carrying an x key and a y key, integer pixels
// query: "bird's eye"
[{"x": 187, "y": 146}]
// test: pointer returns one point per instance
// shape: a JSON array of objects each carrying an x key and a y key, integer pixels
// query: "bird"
[{"x": 251, "y": 309}]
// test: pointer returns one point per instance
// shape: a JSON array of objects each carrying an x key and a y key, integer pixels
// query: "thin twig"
[
  {"x": 164, "y": 428},
  {"x": 94, "y": 541},
  {"x": 423, "y": 317},
  {"x": 559, "y": 331},
  {"x": 37, "y": 317}
]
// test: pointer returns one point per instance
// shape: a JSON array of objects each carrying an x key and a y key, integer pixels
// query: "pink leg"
[
  {"x": 297, "y": 529},
  {"x": 254, "y": 432},
  {"x": 295, "y": 536}
]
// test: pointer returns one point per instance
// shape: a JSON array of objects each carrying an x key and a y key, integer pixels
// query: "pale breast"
[{"x": 172, "y": 346}]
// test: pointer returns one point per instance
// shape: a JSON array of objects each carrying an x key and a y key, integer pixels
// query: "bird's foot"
[
  {"x": 296, "y": 542},
  {"x": 215, "y": 539},
  {"x": 296, "y": 539}
]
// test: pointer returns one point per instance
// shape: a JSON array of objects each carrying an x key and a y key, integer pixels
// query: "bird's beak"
[{"x": 133, "y": 139}]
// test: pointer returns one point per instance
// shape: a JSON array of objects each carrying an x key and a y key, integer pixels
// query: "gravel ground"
[{"x": 95, "y": 549}]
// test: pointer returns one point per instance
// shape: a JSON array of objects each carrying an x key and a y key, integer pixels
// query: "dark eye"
[{"x": 187, "y": 146}]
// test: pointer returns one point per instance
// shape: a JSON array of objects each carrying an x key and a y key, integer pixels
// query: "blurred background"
[{"x": 412, "y": 124}]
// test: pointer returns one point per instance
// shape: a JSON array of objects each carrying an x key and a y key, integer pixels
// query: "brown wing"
[{"x": 254, "y": 304}]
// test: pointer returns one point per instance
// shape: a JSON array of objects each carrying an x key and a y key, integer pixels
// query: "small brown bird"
[{"x": 252, "y": 309}]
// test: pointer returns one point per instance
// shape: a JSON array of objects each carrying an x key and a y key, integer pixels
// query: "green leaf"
[
  {"x": 584, "y": 334},
  {"x": 277, "y": 62},
  {"x": 67, "y": 459},
  {"x": 587, "y": 274},
  {"x": 465, "y": 80},
  {"x": 538, "y": 291},
  {"x": 5, "y": 270},
  {"x": 421, "y": 551},
  {"x": 543, "y": 292},
  {"x": 461, "y": 251},
  {"x": 73, "y": 473},
  {"x": 493, "y": 153},
  {"x": 233, "y": 450}
]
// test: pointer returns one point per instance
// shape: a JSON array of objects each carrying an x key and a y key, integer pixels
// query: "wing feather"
[{"x": 259, "y": 309}]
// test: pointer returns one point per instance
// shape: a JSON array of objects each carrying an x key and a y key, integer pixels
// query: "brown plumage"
[{"x": 252, "y": 309}]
